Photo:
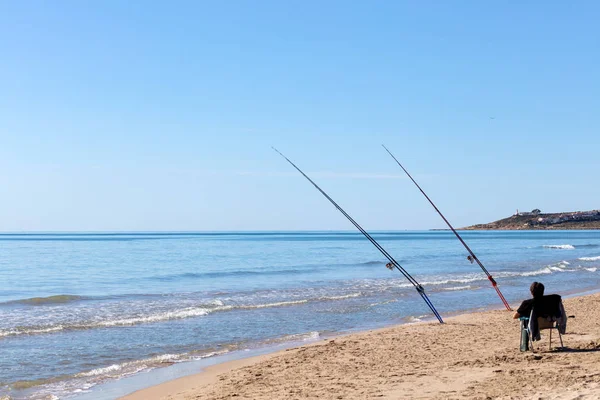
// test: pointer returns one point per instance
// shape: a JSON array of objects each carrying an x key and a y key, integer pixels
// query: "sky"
[{"x": 152, "y": 116}]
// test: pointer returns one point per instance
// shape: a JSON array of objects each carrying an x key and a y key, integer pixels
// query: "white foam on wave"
[
  {"x": 178, "y": 314},
  {"x": 132, "y": 367},
  {"x": 559, "y": 246},
  {"x": 293, "y": 338},
  {"x": 83, "y": 381},
  {"x": 469, "y": 279},
  {"x": 597, "y": 258},
  {"x": 33, "y": 331},
  {"x": 414, "y": 319},
  {"x": 189, "y": 312},
  {"x": 545, "y": 270},
  {"x": 459, "y": 288},
  {"x": 561, "y": 267},
  {"x": 305, "y": 337},
  {"x": 464, "y": 282},
  {"x": 276, "y": 304},
  {"x": 558, "y": 267},
  {"x": 165, "y": 316},
  {"x": 313, "y": 336},
  {"x": 347, "y": 296},
  {"x": 370, "y": 284},
  {"x": 101, "y": 371}
]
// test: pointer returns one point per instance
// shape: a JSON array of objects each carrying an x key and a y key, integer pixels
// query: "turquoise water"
[{"x": 77, "y": 310}]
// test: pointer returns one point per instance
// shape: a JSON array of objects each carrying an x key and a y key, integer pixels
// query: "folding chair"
[
  {"x": 544, "y": 323},
  {"x": 549, "y": 323}
]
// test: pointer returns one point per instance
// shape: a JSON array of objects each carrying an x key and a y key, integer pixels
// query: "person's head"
[{"x": 537, "y": 289}]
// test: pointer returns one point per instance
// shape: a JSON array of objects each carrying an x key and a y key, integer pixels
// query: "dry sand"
[{"x": 471, "y": 356}]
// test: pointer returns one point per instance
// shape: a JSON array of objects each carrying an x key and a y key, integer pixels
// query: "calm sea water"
[{"x": 77, "y": 310}]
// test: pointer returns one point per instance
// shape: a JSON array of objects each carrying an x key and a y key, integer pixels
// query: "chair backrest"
[{"x": 548, "y": 306}]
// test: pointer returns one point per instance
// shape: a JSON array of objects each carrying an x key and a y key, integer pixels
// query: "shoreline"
[
  {"x": 124, "y": 387},
  {"x": 223, "y": 380}
]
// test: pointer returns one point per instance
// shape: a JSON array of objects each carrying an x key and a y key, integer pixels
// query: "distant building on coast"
[
  {"x": 535, "y": 219},
  {"x": 557, "y": 218},
  {"x": 535, "y": 211}
]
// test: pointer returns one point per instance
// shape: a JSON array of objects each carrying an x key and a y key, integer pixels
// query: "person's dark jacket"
[{"x": 546, "y": 307}]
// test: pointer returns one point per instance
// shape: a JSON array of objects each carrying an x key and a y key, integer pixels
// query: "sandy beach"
[{"x": 471, "y": 356}]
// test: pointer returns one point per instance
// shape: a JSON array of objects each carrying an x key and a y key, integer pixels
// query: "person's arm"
[{"x": 523, "y": 309}]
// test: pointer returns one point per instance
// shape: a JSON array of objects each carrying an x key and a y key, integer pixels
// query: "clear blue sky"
[{"x": 145, "y": 115}]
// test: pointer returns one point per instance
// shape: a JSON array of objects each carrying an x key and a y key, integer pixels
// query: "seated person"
[
  {"x": 542, "y": 306},
  {"x": 524, "y": 310}
]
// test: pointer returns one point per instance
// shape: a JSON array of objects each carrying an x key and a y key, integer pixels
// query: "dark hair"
[{"x": 537, "y": 289}]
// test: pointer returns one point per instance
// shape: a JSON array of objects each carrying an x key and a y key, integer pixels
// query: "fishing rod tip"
[{"x": 278, "y": 152}]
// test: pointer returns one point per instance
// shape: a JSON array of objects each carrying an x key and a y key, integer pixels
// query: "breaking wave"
[
  {"x": 562, "y": 266},
  {"x": 549, "y": 269},
  {"x": 88, "y": 379},
  {"x": 411, "y": 319},
  {"x": 346, "y": 296},
  {"x": 128, "y": 321},
  {"x": 467, "y": 287},
  {"x": 298, "y": 337},
  {"x": 559, "y": 246},
  {"x": 465, "y": 282},
  {"x": 597, "y": 258},
  {"x": 188, "y": 312},
  {"x": 541, "y": 271}
]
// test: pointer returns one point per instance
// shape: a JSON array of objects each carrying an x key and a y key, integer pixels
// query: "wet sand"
[{"x": 471, "y": 356}]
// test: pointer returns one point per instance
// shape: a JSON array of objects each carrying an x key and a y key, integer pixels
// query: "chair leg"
[
  {"x": 561, "y": 342},
  {"x": 531, "y": 342}
]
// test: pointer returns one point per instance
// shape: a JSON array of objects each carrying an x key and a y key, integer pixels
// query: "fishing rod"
[
  {"x": 472, "y": 257},
  {"x": 392, "y": 263}
]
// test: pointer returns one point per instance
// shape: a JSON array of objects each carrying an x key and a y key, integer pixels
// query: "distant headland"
[{"x": 535, "y": 219}]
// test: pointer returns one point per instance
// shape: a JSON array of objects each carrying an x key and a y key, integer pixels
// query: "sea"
[{"x": 79, "y": 311}]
